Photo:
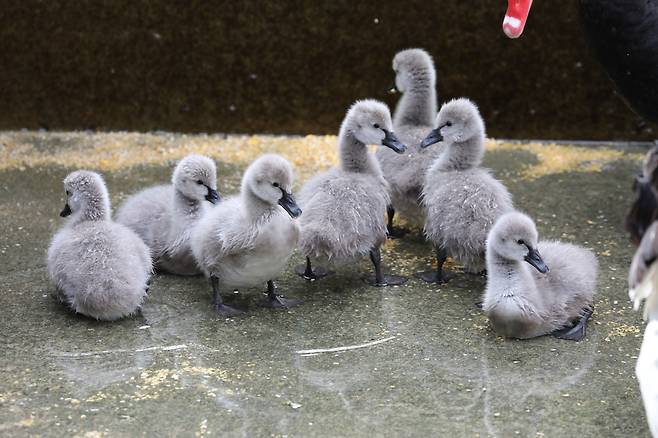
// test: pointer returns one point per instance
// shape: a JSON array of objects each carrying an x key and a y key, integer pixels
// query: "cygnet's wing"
[{"x": 222, "y": 232}]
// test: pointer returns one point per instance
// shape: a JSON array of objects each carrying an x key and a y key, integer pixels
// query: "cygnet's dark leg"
[
  {"x": 217, "y": 301},
  {"x": 278, "y": 301},
  {"x": 393, "y": 233},
  {"x": 379, "y": 279},
  {"x": 310, "y": 273},
  {"x": 140, "y": 312},
  {"x": 577, "y": 331},
  {"x": 439, "y": 275}
]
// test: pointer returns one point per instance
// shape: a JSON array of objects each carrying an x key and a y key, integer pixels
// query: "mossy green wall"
[{"x": 293, "y": 66}]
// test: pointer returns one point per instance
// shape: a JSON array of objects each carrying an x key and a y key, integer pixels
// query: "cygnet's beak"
[
  {"x": 66, "y": 211},
  {"x": 433, "y": 137},
  {"x": 535, "y": 260},
  {"x": 393, "y": 89},
  {"x": 288, "y": 203},
  {"x": 213, "y": 196},
  {"x": 391, "y": 141}
]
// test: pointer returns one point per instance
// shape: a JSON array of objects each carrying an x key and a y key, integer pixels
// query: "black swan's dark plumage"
[
  {"x": 624, "y": 37},
  {"x": 643, "y": 210}
]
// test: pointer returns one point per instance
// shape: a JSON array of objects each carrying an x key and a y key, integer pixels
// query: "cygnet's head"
[
  {"x": 270, "y": 179},
  {"x": 514, "y": 237},
  {"x": 370, "y": 122},
  {"x": 413, "y": 67},
  {"x": 195, "y": 177},
  {"x": 86, "y": 196},
  {"x": 458, "y": 120}
]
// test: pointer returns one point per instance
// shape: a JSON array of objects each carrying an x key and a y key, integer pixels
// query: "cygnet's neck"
[
  {"x": 462, "y": 156},
  {"x": 354, "y": 155},
  {"x": 96, "y": 210},
  {"x": 501, "y": 265},
  {"x": 185, "y": 205},
  {"x": 255, "y": 207},
  {"x": 417, "y": 106}
]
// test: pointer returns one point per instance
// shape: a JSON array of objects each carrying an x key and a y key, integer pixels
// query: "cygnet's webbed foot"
[
  {"x": 577, "y": 331},
  {"x": 435, "y": 276},
  {"x": 218, "y": 302},
  {"x": 378, "y": 279},
  {"x": 225, "y": 310},
  {"x": 281, "y": 302},
  {"x": 439, "y": 275},
  {"x": 310, "y": 273},
  {"x": 278, "y": 301},
  {"x": 314, "y": 274},
  {"x": 385, "y": 280}
]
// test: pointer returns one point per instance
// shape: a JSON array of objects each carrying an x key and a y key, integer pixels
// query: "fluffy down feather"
[
  {"x": 343, "y": 215},
  {"x": 163, "y": 216},
  {"x": 522, "y": 302},
  {"x": 100, "y": 268}
]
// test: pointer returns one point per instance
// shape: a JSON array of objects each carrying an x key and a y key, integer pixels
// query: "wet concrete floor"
[{"x": 430, "y": 366}]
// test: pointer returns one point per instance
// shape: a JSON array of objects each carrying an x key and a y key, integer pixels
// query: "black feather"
[
  {"x": 643, "y": 210},
  {"x": 624, "y": 37}
]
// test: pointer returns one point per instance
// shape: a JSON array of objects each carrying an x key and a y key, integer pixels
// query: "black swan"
[{"x": 623, "y": 34}]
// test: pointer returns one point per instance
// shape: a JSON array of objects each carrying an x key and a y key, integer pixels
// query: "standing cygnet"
[
  {"x": 462, "y": 199},
  {"x": 525, "y": 299},
  {"x": 163, "y": 216},
  {"x": 415, "y": 78},
  {"x": 643, "y": 285},
  {"x": 100, "y": 268},
  {"x": 344, "y": 207},
  {"x": 248, "y": 239}
]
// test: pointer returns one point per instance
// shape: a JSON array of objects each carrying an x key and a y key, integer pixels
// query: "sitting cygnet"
[
  {"x": 163, "y": 216},
  {"x": 100, "y": 268},
  {"x": 344, "y": 207},
  {"x": 415, "y": 78},
  {"x": 248, "y": 239},
  {"x": 462, "y": 200},
  {"x": 537, "y": 288},
  {"x": 643, "y": 285}
]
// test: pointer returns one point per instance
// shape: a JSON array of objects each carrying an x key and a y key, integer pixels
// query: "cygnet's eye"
[
  {"x": 275, "y": 184},
  {"x": 520, "y": 242},
  {"x": 199, "y": 182},
  {"x": 448, "y": 123},
  {"x": 68, "y": 193},
  {"x": 376, "y": 126}
]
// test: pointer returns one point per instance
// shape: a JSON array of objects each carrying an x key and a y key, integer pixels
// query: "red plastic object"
[{"x": 515, "y": 17}]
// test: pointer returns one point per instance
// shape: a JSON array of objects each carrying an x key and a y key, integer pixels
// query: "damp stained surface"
[{"x": 434, "y": 366}]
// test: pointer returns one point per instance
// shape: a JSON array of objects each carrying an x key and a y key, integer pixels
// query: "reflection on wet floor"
[{"x": 413, "y": 358}]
